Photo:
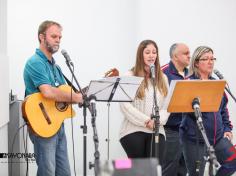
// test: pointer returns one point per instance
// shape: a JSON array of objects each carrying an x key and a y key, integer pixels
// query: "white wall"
[
  {"x": 4, "y": 93},
  {"x": 198, "y": 22},
  {"x": 4, "y": 76},
  {"x": 103, "y": 34},
  {"x": 98, "y": 35}
]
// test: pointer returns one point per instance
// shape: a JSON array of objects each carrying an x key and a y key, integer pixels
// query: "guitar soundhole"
[{"x": 61, "y": 106}]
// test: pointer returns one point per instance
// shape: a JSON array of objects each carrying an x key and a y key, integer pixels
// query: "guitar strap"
[
  {"x": 70, "y": 84},
  {"x": 67, "y": 80}
]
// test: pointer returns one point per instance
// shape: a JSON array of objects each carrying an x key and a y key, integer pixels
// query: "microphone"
[
  {"x": 218, "y": 74},
  {"x": 152, "y": 70},
  {"x": 196, "y": 103},
  {"x": 196, "y": 107},
  {"x": 67, "y": 57},
  {"x": 92, "y": 98}
]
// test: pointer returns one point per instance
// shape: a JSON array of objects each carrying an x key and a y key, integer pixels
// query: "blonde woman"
[{"x": 217, "y": 125}]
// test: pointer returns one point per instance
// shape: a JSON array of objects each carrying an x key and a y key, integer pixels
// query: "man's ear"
[
  {"x": 41, "y": 37},
  {"x": 175, "y": 56}
]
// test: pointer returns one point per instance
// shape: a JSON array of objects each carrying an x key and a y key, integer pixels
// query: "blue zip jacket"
[
  {"x": 215, "y": 123},
  {"x": 172, "y": 73}
]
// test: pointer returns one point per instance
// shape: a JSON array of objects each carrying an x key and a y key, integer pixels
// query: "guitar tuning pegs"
[{"x": 112, "y": 72}]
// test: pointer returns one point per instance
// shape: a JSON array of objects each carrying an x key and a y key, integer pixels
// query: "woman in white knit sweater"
[{"x": 136, "y": 134}]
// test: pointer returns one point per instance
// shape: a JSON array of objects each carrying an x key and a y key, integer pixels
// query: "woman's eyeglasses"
[{"x": 207, "y": 59}]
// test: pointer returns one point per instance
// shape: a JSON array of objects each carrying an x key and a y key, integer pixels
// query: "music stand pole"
[
  {"x": 84, "y": 126},
  {"x": 92, "y": 99},
  {"x": 210, "y": 150},
  {"x": 108, "y": 130},
  {"x": 156, "y": 117}
]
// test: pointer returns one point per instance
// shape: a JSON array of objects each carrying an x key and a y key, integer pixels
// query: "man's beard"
[{"x": 52, "y": 49}]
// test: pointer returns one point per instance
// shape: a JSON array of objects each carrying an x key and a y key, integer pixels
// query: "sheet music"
[
  {"x": 170, "y": 93},
  {"x": 125, "y": 92}
]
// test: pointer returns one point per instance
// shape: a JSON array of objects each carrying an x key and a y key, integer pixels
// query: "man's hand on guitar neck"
[{"x": 59, "y": 95}]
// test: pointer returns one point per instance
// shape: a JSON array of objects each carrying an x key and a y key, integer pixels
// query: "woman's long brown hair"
[{"x": 139, "y": 70}]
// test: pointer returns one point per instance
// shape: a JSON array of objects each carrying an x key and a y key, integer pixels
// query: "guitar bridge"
[{"x": 44, "y": 113}]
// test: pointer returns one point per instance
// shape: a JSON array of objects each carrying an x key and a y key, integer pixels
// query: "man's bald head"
[{"x": 180, "y": 55}]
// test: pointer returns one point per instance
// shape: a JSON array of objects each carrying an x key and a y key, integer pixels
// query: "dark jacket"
[
  {"x": 171, "y": 72},
  {"x": 215, "y": 123}
]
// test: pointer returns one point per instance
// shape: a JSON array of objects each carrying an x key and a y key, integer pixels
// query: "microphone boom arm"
[
  {"x": 230, "y": 93},
  {"x": 220, "y": 76}
]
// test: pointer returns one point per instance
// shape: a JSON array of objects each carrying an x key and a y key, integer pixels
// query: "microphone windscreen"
[
  {"x": 63, "y": 52},
  {"x": 217, "y": 73},
  {"x": 152, "y": 70}
]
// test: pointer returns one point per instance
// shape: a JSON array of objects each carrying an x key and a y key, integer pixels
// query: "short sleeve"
[{"x": 38, "y": 73}]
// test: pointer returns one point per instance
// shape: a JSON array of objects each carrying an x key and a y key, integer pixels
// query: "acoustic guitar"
[{"x": 45, "y": 116}]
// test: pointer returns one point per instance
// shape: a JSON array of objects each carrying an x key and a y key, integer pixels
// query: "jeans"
[
  {"x": 222, "y": 151},
  {"x": 51, "y": 154},
  {"x": 173, "y": 163}
]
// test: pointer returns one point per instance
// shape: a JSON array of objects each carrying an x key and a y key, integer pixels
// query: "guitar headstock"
[{"x": 112, "y": 72}]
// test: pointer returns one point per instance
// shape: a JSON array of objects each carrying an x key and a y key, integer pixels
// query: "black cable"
[
  {"x": 11, "y": 151},
  {"x": 70, "y": 83},
  {"x": 25, "y": 148},
  {"x": 25, "y": 142},
  {"x": 24, "y": 139},
  {"x": 72, "y": 124},
  {"x": 27, "y": 161}
]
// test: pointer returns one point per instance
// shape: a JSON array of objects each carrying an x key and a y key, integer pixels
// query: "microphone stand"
[
  {"x": 156, "y": 117},
  {"x": 85, "y": 105},
  {"x": 220, "y": 76},
  {"x": 210, "y": 150},
  {"x": 96, "y": 164},
  {"x": 228, "y": 90}
]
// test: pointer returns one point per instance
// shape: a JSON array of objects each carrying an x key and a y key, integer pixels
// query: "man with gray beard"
[{"x": 41, "y": 74}]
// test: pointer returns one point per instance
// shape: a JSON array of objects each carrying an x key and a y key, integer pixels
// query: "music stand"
[
  {"x": 115, "y": 89},
  {"x": 111, "y": 89},
  {"x": 186, "y": 95},
  {"x": 182, "y": 93}
]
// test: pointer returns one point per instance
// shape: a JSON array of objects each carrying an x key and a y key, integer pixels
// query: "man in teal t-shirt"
[{"x": 41, "y": 74}]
